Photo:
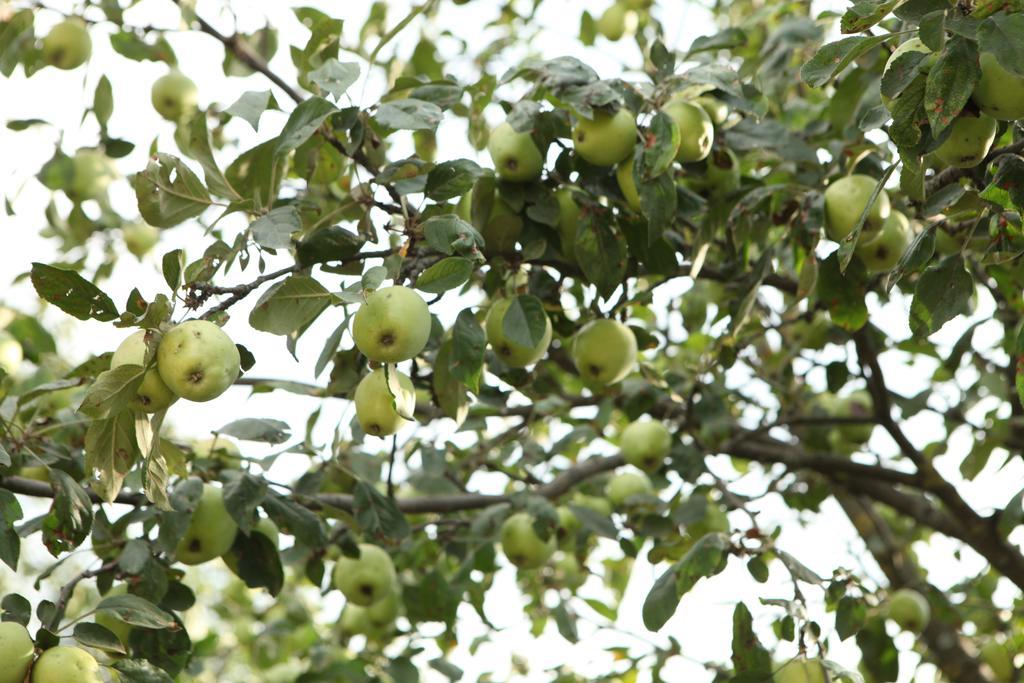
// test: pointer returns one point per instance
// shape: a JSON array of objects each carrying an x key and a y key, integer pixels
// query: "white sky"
[{"x": 703, "y": 621}]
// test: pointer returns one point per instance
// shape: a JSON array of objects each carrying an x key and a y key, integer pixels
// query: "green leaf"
[
  {"x": 448, "y": 273},
  {"x": 377, "y": 514},
  {"x": 290, "y": 305},
  {"x": 525, "y": 322},
  {"x": 251, "y": 105},
  {"x": 914, "y": 258},
  {"x": 659, "y": 148},
  {"x": 136, "y": 611},
  {"x": 257, "y": 429},
  {"x": 601, "y": 252},
  {"x": 843, "y": 293},
  {"x": 878, "y": 652},
  {"x": 258, "y": 562},
  {"x": 866, "y": 13},
  {"x": 565, "y": 620},
  {"x": 112, "y": 391},
  {"x": 302, "y": 123},
  {"x": 111, "y": 450},
  {"x": 902, "y": 72},
  {"x": 69, "y": 520},
  {"x": 832, "y": 58},
  {"x": 658, "y": 198},
  {"x": 951, "y": 82},
  {"x": 451, "y": 179},
  {"x": 850, "y": 616},
  {"x": 431, "y": 599},
  {"x": 295, "y": 520},
  {"x": 10, "y": 541},
  {"x": 849, "y": 243},
  {"x": 409, "y": 114},
  {"x": 748, "y": 654},
  {"x": 172, "y": 264},
  {"x": 71, "y": 293},
  {"x": 200, "y": 149},
  {"x": 140, "y": 671},
  {"x": 164, "y": 202},
  {"x": 908, "y": 115},
  {"x": 942, "y": 293},
  {"x": 129, "y": 44},
  {"x": 706, "y": 558},
  {"x": 94, "y": 635},
  {"x": 335, "y": 77},
  {"x": 242, "y": 495},
  {"x": 103, "y": 101},
  {"x": 274, "y": 230},
  {"x": 1003, "y": 36},
  {"x": 468, "y": 343},
  {"x": 333, "y": 243},
  {"x": 449, "y": 235},
  {"x": 449, "y": 390}
]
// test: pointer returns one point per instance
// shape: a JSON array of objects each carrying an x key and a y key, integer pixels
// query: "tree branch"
[{"x": 951, "y": 175}]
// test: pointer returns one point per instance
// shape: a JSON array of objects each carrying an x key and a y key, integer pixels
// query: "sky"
[{"x": 703, "y": 621}]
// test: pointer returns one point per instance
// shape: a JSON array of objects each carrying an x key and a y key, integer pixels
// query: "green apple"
[
  {"x": 845, "y": 200},
  {"x": 152, "y": 395},
  {"x": 723, "y": 174},
  {"x": 909, "y": 609},
  {"x": 140, "y": 237},
  {"x": 612, "y": 22},
  {"x": 92, "y": 173},
  {"x": 627, "y": 184},
  {"x": 604, "y": 351},
  {"x": 970, "y": 139},
  {"x": 110, "y": 621},
  {"x": 810, "y": 334},
  {"x": 174, "y": 96},
  {"x": 717, "y": 110},
  {"x": 999, "y": 93},
  {"x": 801, "y": 670},
  {"x": 16, "y": 652},
  {"x": 366, "y": 579},
  {"x": 594, "y": 503},
  {"x": 511, "y": 353},
  {"x": 568, "y": 527},
  {"x": 502, "y": 228},
  {"x": 925, "y": 65},
  {"x": 265, "y": 527},
  {"x": 999, "y": 658},
  {"x": 881, "y": 253},
  {"x": 515, "y": 154},
  {"x": 392, "y": 325},
  {"x": 522, "y": 545},
  {"x": 606, "y": 139},
  {"x": 197, "y": 360},
  {"x": 567, "y": 571},
  {"x": 35, "y": 473},
  {"x": 383, "y": 612},
  {"x": 67, "y": 45},
  {"x": 383, "y": 410},
  {"x": 624, "y": 485},
  {"x": 211, "y": 531},
  {"x": 645, "y": 444},
  {"x": 63, "y": 664},
  {"x": 696, "y": 132},
  {"x": 219, "y": 448},
  {"x": 11, "y": 353},
  {"x": 568, "y": 222},
  {"x": 857, "y": 404},
  {"x": 715, "y": 520}
]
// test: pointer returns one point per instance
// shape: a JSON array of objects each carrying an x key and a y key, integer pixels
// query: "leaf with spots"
[
  {"x": 601, "y": 251},
  {"x": 71, "y": 293},
  {"x": 111, "y": 451},
  {"x": 70, "y": 517},
  {"x": 748, "y": 654},
  {"x": 951, "y": 82},
  {"x": 942, "y": 293}
]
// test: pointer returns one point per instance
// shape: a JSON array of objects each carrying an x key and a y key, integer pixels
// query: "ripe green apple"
[
  {"x": 381, "y": 411},
  {"x": 715, "y": 520},
  {"x": 392, "y": 325},
  {"x": 845, "y": 200},
  {"x": 717, "y": 110},
  {"x": 645, "y": 444},
  {"x": 174, "y": 96},
  {"x": 140, "y": 237},
  {"x": 595, "y": 503},
  {"x": 16, "y": 652},
  {"x": 515, "y": 155},
  {"x": 696, "y": 131},
  {"x": 723, "y": 174},
  {"x": 568, "y": 527},
  {"x": 970, "y": 139},
  {"x": 999, "y": 93},
  {"x": 197, "y": 360},
  {"x": 355, "y": 621},
  {"x": 606, "y": 139},
  {"x": 67, "y": 45},
  {"x": 568, "y": 222},
  {"x": 92, "y": 173},
  {"x": 567, "y": 571},
  {"x": 153, "y": 395},
  {"x": 512, "y": 354},
  {"x": 612, "y": 22},
  {"x": 218, "y": 448},
  {"x": 211, "y": 531},
  {"x": 366, "y": 579},
  {"x": 110, "y": 621},
  {"x": 909, "y": 609},
  {"x": 999, "y": 658},
  {"x": 522, "y": 545},
  {"x": 624, "y": 485},
  {"x": 502, "y": 228},
  {"x": 604, "y": 351},
  {"x": 802, "y": 670},
  {"x": 624, "y": 175},
  {"x": 63, "y": 664},
  {"x": 265, "y": 527},
  {"x": 881, "y": 253},
  {"x": 11, "y": 353},
  {"x": 912, "y": 45},
  {"x": 857, "y": 404}
]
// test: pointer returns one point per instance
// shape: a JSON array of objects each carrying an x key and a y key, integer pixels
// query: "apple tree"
[{"x": 777, "y": 266}]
